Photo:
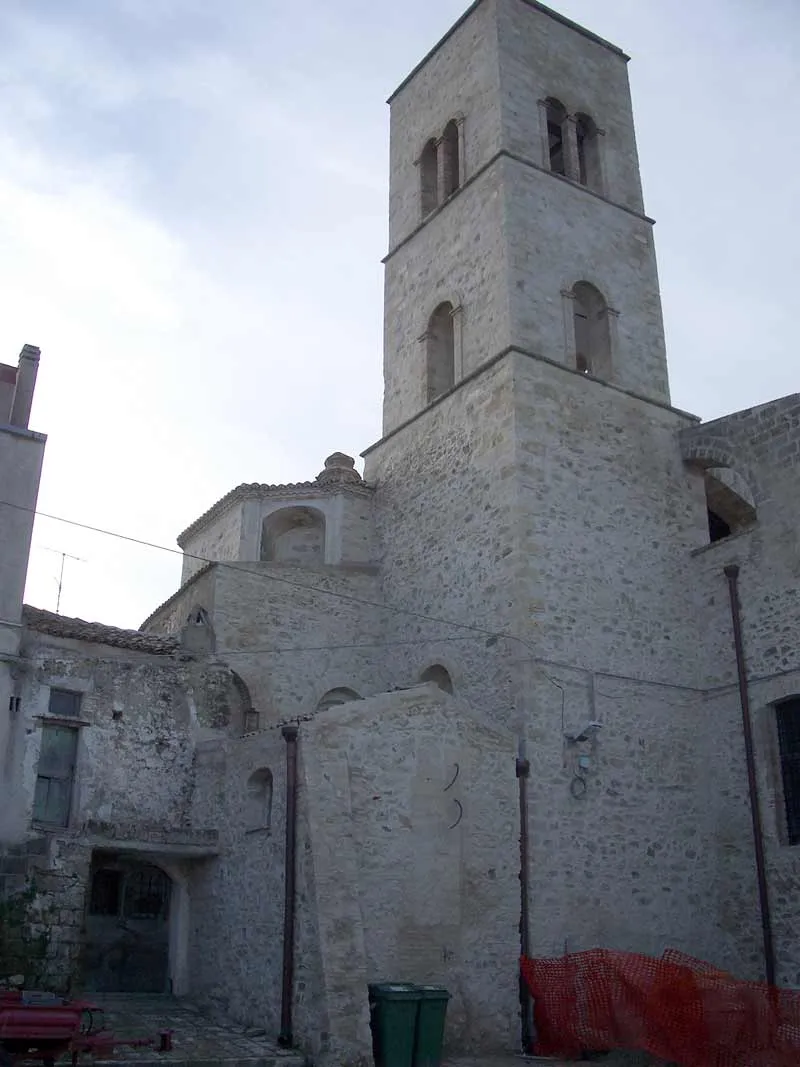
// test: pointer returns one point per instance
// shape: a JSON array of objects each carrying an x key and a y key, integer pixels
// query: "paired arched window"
[
  {"x": 592, "y": 333},
  {"x": 440, "y": 168},
  {"x": 439, "y": 675},
  {"x": 294, "y": 535},
  {"x": 573, "y": 145},
  {"x": 258, "y": 813},
  {"x": 441, "y": 353}
]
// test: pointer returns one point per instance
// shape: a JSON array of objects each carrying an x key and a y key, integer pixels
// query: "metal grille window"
[
  {"x": 64, "y": 703},
  {"x": 146, "y": 894},
  {"x": 55, "y": 775},
  {"x": 788, "y": 716}
]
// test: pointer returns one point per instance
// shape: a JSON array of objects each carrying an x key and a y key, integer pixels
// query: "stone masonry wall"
[
  {"x": 445, "y": 512},
  {"x": 626, "y": 847},
  {"x": 413, "y": 817},
  {"x": 458, "y": 256},
  {"x": 136, "y": 711},
  {"x": 219, "y": 540},
  {"x": 42, "y": 901},
  {"x": 237, "y": 900},
  {"x": 595, "y": 518},
  {"x": 293, "y": 634},
  {"x": 608, "y": 517},
  {"x": 762, "y": 446},
  {"x": 170, "y": 617}
]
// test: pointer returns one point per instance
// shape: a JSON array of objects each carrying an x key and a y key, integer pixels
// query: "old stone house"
[{"x": 530, "y": 593}]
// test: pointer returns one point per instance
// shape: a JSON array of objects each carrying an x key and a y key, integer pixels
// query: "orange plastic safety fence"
[{"x": 676, "y": 1008}]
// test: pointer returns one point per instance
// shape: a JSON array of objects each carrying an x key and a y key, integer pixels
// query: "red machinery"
[{"x": 44, "y": 1028}]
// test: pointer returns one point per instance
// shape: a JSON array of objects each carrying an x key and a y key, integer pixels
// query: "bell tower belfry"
[{"x": 516, "y": 218}]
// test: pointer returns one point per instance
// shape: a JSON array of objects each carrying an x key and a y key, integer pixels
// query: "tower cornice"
[{"x": 526, "y": 161}]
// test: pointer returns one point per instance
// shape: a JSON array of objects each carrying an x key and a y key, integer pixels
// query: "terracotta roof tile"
[{"x": 47, "y": 622}]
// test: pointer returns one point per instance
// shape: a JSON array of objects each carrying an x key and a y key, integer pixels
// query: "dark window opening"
[
  {"x": 592, "y": 332},
  {"x": 588, "y": 146},
  {"x": 440, "y": 676},
  {"x": 451, "y": 176},
  {"x": 64, "y": 703},
  {"x": 556, "y": 122},
  {"x": 788, "y": 716},
  {"x": 106, "y": 892},
  {"x": 717, "y": 527},
  {"x": 429, "y": 178},
  {"x": 441, "y": 351},
  {"x": 729, "y": 502},
  {"x": 555, "y": 142}
]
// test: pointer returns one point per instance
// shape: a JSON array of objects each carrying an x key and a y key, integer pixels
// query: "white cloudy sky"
[{"x": 193, "y": 211}]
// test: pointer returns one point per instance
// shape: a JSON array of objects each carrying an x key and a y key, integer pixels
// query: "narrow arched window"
[
  {"x": 259, "y": 800},
  {"x": 556, "y": 136},
  {"x": 294, "y": 535},
  {"x": 592, "y": 334},
  {"x": 439, "y": 675},
  {"x": 588, "y": 152},
  {"x": 440, "y": 338},
  {"x": 451, "y": 174},
  {"x": 428, "y": 176}
]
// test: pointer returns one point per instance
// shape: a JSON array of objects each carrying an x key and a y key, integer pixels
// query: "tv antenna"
[{"x": 64, "y": 557}]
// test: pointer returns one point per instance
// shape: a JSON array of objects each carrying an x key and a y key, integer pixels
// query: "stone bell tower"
[
  {"x": 516, "y": 216},
  {"x": 529, "y": 482}
]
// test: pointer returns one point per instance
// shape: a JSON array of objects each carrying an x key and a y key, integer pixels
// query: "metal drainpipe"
[
  {"x": 285, "y": 1038},
  {"x": 732, "y": 574},
  {"x": 523, "y": 768}
]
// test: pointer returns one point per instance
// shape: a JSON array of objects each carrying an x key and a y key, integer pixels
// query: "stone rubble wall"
[{"x": 42, "y": 903}]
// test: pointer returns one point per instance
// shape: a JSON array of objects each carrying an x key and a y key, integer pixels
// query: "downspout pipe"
[
  {"x": 732, "y": 574},
  {"x": 286, "y": 1038},
  {"x": 523, "y": 769}
]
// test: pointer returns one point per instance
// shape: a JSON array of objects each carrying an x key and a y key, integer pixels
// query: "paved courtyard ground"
[{"x": 197, "y": 1041}]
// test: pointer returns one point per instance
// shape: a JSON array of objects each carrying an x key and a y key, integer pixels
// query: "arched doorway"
[{"x": 128, "y": 927}]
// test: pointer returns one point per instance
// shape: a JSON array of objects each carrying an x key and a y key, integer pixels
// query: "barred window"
[{"x": 788, "y": 716}]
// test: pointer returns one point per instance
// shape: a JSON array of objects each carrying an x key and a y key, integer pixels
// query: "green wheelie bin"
[
  {"x": 429, "y": 1039},
  {"x": 393, "y": 1019}
]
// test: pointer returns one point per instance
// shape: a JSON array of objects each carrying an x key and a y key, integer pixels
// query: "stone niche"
[{"x": 324, "y": 522}]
